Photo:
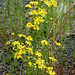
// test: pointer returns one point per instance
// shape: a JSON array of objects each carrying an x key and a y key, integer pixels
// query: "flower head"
[
  {"x": 12, "y": 34},
  {"x": 38, "y": 54},
  {"x": 30, "y": 50},
  {"x": 29, "y": 43},
  {"x": 29, "y": 38},
  {"x": 33, "y": 2},
  {"x": 34, "y": 12},
  {"x": 51, "y": 19},
  {"x": 30, "y": 64},
  {"x": 16, "y": 43},
  {"x": 21, "y": 35},
  {"x": 43, "y": 12},
  {"x": 44, "y": 42},
  {"x": 28, "y": 5},
  {"x": 29, "y": 25},
  {"x": 8, "y": 43},
  {"x": 59, "y": 44},
  {"x": 52, "y": 58},
  {"x": 35, "y": 27},
  {"x": 17, "y": 55}
]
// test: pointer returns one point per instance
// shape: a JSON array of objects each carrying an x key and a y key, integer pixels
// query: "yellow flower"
[
  {"x": 28, "y": 5},
  {"x": 42, "y": 12},
  {"x": 12, "y": 34},
  {"x": 34, "y": 12},
  {"x": 49, "y": 68},
  {"x": 39, "y": 61},
  {"x": 30, "y": 64},
  {"x": 19, "y": 46},
  {"x": 48, "y": 3},
  {"x": 42, "y": 66},
  {"x": 44, "y": 42},
  {"x": 59, "y": 44},
  {"x": 21, "y": 35},
  {"x": 52, "y": 58},
  {"x": 39, "y": 50},
  {"x": 51, "y": 38},
  {"x": 38, "y": 9},
  {"x": 41, "y": 19},
  {"x": 46, "y": 71},
  {"x": 38, "y": 19},
  {"x": 52, "y": 72},
  {"x": 15, "y": 49},
  {"x": 29, "y": 25},
  {"x": 29, "y": 43},
  {"x": 35, "y": 18},
  {"x": 54, "y": 3},
  {"x": 38, "y": 54},
  {"x": 30, "y": 50},
  {"x": 22, "y": 51},
  {"x": 15, "y": 43},
  {"x": 51, "y": 19},
  {"x": 29, "y": 38},
  {"x": 8, "y": 43},
  {"x": 32, "y": 53},
  {"x": 36, "y": 27},
  {"x": 33, "y": 2},
  {"x": 17, "y": 55}
]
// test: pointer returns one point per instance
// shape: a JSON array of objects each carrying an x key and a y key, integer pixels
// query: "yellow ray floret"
[
  {"x": 21, "y": 35},
  {"x": 8, "y": 43}
]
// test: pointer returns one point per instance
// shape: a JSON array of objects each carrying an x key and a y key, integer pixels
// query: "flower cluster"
[
  {"x": 24, "y": 48},
  {"x": 20, "y": 48},
  {"x": 40, "y": 63},
  {"x": 39, "y": 12},
  {"x": 50, "y": 3},
  {"x": 34, "y": 58}
]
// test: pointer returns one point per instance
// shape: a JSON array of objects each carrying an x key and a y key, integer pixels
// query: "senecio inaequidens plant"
[
  {"x": 23, "y": 49},
  {"x": 34, "y": 60}
]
